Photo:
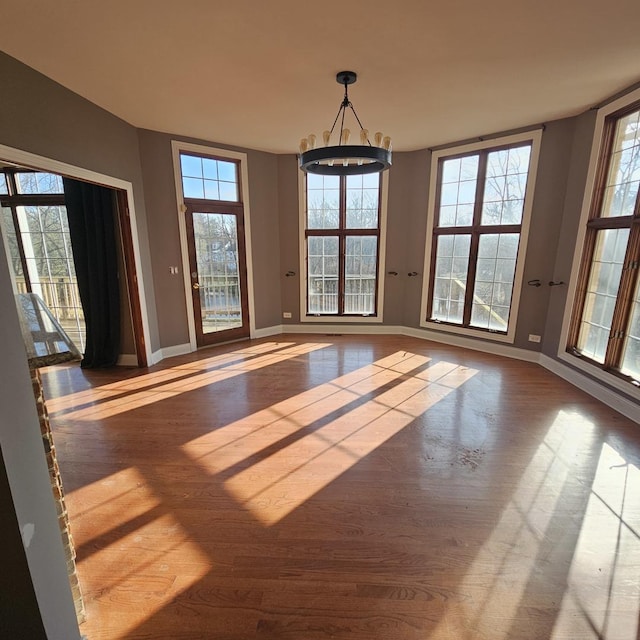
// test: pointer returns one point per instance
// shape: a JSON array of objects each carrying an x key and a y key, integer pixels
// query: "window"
[
  {"x": 209, "y": 178},
  {"x": 479, "y": 209},
  {"x": 342, "y": 243},
  {"x": 213, "y": 220},
  {"x": 34, "y": 222},
  {"x": 605, "y": 327}
]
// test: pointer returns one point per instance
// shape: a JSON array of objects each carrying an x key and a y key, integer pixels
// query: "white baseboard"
[
  {"x": 612, "y": 399},
  {"x": 495, "y": 348},
  {"x": 169, "y": 352},
  {"x": 351, "y": 330},
  {"x": 265, "y": 332}
]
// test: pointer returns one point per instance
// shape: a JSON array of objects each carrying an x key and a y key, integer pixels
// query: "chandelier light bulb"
[{"x": 345, "y": 158}]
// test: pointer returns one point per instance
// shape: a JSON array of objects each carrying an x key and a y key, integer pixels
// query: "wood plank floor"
[{"x": 379, "y": 488}]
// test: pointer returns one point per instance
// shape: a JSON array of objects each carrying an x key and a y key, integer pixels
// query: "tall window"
[
  {"x": 477, "y": 226},
  {"x": 342, "y": 244},
  {"x": 214, "y": 219},
  {"x": 605, "y": 326},
  {"x": 34, "y": 220}
]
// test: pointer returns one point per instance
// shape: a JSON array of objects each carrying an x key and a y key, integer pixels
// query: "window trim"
[
  {"x": 534, "y": 137},
  {"x": 177, "y": 147},
  {"x": 564, "y": 354},
  {"x": 302, "y": 223}
]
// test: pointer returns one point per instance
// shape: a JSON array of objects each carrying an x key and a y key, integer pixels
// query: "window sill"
[
  {"x": 328, "y": 319},
  {"x": 507, "y": 338},
  {"x": 596, "y": 372}
]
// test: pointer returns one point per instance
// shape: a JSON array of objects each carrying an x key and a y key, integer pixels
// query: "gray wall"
[
  {"x": 42, "y": 117},
  {"x": 26, "y": 468},
  {"x": 164, "y": 238},
  {"x": 546, "y": 219},
  {"x": 577, "y": 168}
]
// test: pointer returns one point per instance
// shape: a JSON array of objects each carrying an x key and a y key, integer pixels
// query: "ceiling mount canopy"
[{"x": 343, "y": 159}]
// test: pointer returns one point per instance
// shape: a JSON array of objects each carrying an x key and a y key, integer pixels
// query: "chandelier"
[{"x": 345, "y": 159}]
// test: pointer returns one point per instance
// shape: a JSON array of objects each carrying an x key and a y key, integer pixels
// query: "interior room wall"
[
  {"x": 577, "y": 169},
  {"x": 164, "y": 238},
  {"x": 406, "y": 232},
  {"x": 412, "y": 177},
  {"x": 19, "y": 617},
  {"x": 30, "y": 510},
  {"x": 42, "y": 117},
  {"x": 289, "y": 228},
  {"x": 546, "y": 220}
]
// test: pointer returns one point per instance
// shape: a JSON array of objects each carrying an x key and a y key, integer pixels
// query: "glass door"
[{"x": 218, "y": 272}]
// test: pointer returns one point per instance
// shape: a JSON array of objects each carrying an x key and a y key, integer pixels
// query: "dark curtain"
[{"x": 91, "y": 213}]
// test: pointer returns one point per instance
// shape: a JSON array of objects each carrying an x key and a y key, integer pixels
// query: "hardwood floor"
[{"x": 379, "y": 488}]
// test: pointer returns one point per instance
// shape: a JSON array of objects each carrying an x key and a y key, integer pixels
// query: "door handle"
[{"x": 196, "y": 285}]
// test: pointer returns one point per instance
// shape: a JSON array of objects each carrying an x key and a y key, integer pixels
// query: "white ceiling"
[{"x": 261, "y": 74}]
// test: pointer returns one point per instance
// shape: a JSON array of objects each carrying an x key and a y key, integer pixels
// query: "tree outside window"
[
  {"x": 342, "y": 238},
  {"x": 605, "y": 328},
  {"x": 479, "y": 208}
]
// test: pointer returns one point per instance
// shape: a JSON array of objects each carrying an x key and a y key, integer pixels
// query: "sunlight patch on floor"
[
  {"x": 239, "y": 440},
  {"x": 603, "y": 591},
  {"x": 518, "y": 547},
  {"x": 331, "y": 431},
  {"x": 107, "y": 504},
  {"x": 117, "y": 398},
  {"x": 142, "y": 571}
]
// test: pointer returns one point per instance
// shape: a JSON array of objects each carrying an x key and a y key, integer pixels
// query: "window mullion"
[
  {"x": 475, "y": 238},
  {"x": 624, "y": 302},
  {"x": 342, "y": 244},
  {"x": 21, "y": 252}
]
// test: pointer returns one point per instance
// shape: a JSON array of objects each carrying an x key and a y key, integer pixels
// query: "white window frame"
[
  {"x": 535, "y": 137},
  {"x": 334, "y": 319},
  {"x": 596, "y": 145},
  {"x": 202, "y": 150}
]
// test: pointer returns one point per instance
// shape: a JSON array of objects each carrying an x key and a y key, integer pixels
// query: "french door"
[{"x": 218, "y": 271}]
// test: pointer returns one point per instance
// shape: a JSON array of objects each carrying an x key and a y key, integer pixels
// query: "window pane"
[
  {"x": 228, "y": 191},
  {"x": 3, "y": 185},
  {"x": 362, "y": 202},
  {"x": 494, "y": 281},
  {"x": 227, "y": 171},
  {"x": 209, "y": 168},
  {"x": 323, "y": 202},
  {"x": 505, "y": 186},
  {"x": 322, "y": 292},
  {"x": 452, "y": 264},
  {"x": 217, "y": 260},
  {"x": 44, "y": 232},
  {"x": 209, "y": 179},
  {"x": 8, "y": 230},
  {"x": 631, "y": 356},
  {"x": 193, "y": 188},
  {"x": 621, "y": 188},
  {"x": 360, "y": 274},
  {"x": 602, "y": 290},
  {"x": 39, "y": 183},
  {"x": 191, "y": 166},
  {"x": 458, "y": 191}
]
